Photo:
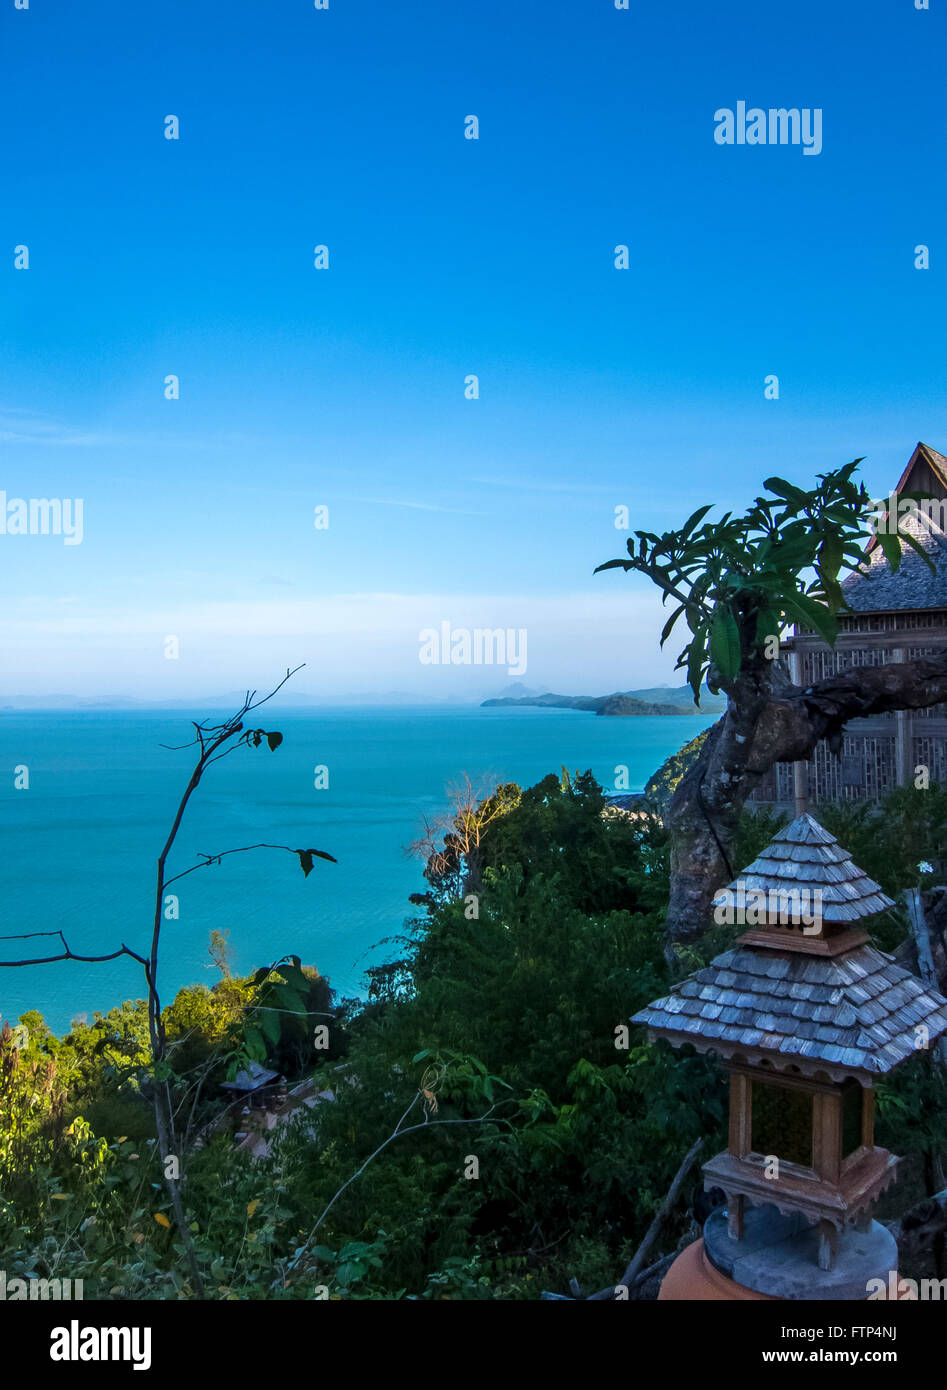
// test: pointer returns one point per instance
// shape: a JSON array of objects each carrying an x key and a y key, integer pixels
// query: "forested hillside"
[{"x": 487, "y": 1129}]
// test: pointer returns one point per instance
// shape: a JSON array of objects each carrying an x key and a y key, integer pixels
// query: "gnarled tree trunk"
[{"x": 768, "y": 720}]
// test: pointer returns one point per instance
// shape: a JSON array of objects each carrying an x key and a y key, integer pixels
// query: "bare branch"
[
  {"x": 210, "y": 859},
  {"x": 396, "y": 1133},
  {"x": 67, "y": 953}
]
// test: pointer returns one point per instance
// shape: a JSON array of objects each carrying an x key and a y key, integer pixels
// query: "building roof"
[
  {"x": 854, "y": 1014},
  {"x": 876, "y": 589},
  {"x": 806, "y": 856},
  {"x": 251, "y": 1079}
]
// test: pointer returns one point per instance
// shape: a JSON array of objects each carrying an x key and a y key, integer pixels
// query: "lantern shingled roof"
[
  {"x": 854, "y": 1012},
  {"x": 806, "y": 856}
]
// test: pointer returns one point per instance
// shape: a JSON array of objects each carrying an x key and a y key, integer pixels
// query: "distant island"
[{"x": 623, "y": 704}]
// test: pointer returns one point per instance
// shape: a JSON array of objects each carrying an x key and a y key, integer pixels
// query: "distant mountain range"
[
  {"x": 290, "y": 699},
  {"x": 660, "y": 699}
]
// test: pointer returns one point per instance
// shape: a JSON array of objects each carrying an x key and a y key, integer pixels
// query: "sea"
[{"x": 80, "y": 842}]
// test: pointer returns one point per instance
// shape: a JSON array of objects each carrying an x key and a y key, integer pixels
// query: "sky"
[{"x": 449, "y": 257}]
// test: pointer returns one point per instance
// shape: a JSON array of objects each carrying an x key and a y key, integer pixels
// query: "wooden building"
[{"x": 896, "y": 617}]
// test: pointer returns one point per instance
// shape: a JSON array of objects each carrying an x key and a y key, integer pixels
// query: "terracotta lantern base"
[{"x": 693, "y": 1278}]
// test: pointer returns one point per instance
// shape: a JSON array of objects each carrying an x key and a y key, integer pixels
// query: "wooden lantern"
[{"x": 806, "y": 1015}]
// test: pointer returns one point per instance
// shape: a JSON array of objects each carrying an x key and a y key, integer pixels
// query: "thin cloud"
[
  {"x": 36, "y": 430},
  {"x": 531, "y": 485},
  {"x": 414, "y": 506},
  {"x": 28, "y": 427}
]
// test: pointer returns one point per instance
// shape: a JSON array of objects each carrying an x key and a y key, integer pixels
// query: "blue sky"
[{"x": 447, "y": 257}]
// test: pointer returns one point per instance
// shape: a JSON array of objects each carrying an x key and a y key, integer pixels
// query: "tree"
[
  {"x": 221, "y": 952},
  {"x": 450, "y": 842},
  {"x": 214, "y": 741},
  {"x": 737, "y": 583}
]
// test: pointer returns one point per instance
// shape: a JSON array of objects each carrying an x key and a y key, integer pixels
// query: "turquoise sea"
[{"x": 79, "y": 846}]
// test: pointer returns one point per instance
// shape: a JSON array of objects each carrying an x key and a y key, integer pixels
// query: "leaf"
[
  {"x": 695, "y": 666},
  {"x": 162, "y": 1220},
  {"x": 666, "y": 631},
  {"x": 830, "y": 558},
  {"x": 815, "y": 615},
  {"x": 794, "y": 552},
  {"x": 788, "y": 491},
  {"x": 254, "y": 1044},
  {"x": 274, "y": 739},
  {"x": 306, "y": 857},
  {"x": 839, "y": 515},
  {"x": 252, "y": 1206},
  {"x": 694, "y": 519},
  {"x": 270, "y": 1024},
  {"x": 768, "y": 624},
  {"x": 891, "y": 545},
  {"x": 834, "y": 594},
  {"x": 725, "y": 642},
  {"x": 59, "y": 1196},
  {"x": 288, "y": 999}
]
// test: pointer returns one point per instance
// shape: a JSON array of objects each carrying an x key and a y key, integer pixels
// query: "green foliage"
[
  {"x": 41, "y": 1147},
  {"x": 664, "y": 783},
  {"x": 912, "y": 1109},
  {"x": 756, "y": 827},
  {"x": 557, "y": 831},
  {"x": 503, "y": 1043},
  {"x": 892, "y": 837},
  {"x": 287, "y": 1003},
  {"x": 221, "y": 952},
  {"x": 738, "y": 581},
  {"x": 453, "y": 863},
  {"x": 502, "y": 1046}
]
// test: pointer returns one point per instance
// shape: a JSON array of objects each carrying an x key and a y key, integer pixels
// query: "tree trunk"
[
  {"x": 768, "y": 720},
  {"x": 164, "y": 1124},
  {"x": 163, "y": 1127}
]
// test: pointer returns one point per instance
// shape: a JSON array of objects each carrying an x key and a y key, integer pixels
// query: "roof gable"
[
  {"x": 926, "y": 472},
  {"x": 875, "y": 588}
]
